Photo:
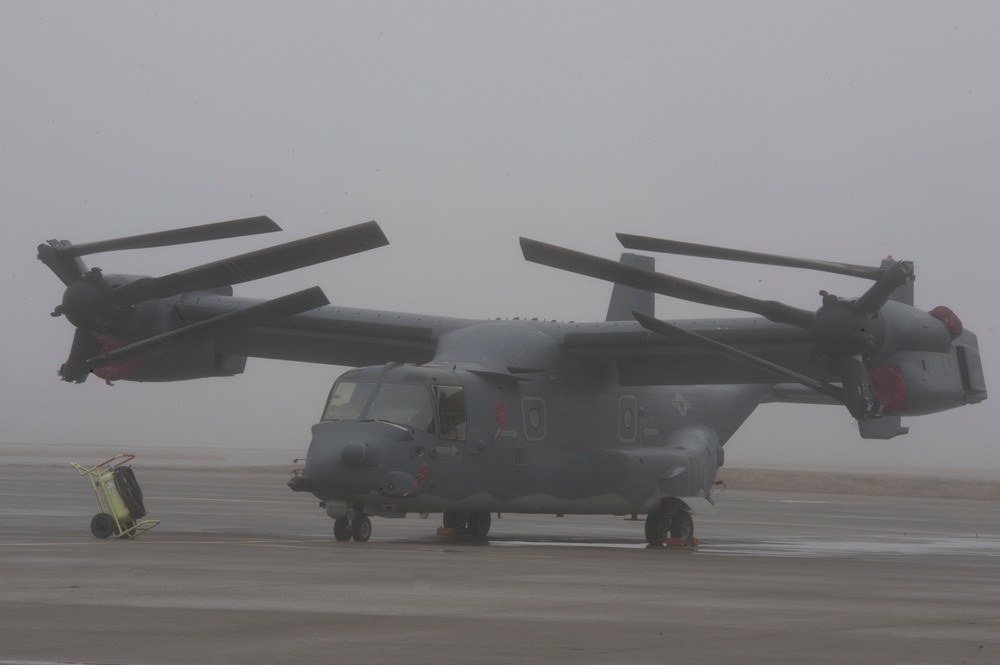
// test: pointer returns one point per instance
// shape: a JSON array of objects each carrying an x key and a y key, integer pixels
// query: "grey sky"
[{"x": 844, "y": 131}]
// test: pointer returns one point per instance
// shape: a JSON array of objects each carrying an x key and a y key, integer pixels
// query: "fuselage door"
[
  {"x": 534, "y": 418},
  {"x": 628, "y": 419},
  {"x": 451, "y": 413}
]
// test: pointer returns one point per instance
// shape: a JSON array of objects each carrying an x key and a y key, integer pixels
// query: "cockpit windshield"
[
  {"x": 427, "y": 400},
  {"x": 348, "y": 399},
  {"x": 403, "y": 404}
]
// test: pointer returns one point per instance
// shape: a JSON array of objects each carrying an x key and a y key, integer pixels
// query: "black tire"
[
  {"x": 102, "y": 525},
  {"x": 657, "y": 527},
  {"x": 342, "y": 529},
  {"x": 479, "y": 523},
  {"x": 682, "y": 526},
  {"x": 361, "y": 529},
  {"x": 128, "y": 490},
  {"x": 453, "y": 520}
]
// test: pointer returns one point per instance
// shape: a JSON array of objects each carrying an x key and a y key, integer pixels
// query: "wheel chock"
[
  {"x": 448, "y": 531},
  {"x": 682, "y": 542}
]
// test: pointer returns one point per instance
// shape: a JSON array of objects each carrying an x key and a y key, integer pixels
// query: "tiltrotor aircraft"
[{"x": 467, "y": 418}]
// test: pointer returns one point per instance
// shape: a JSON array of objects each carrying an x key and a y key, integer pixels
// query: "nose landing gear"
[{"x": 358, "y": 528}]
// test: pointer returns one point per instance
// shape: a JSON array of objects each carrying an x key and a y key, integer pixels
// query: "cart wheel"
[{"x": 102, "y": 526}]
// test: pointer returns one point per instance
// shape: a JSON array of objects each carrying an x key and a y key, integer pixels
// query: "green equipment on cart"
[{"x": 121, "y": 507}]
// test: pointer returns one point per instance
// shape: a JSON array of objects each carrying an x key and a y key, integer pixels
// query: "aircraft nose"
[
  {"x": 347, "y": 459},
  {"x": 356, "y": 453},
  {"x": 333, "y": 467}
]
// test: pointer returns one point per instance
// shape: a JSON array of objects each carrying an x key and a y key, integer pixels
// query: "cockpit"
[{"x": 420, "y": 398}]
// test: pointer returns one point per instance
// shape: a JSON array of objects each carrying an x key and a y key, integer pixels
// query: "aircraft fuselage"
[{"x": 439, "y": 438}]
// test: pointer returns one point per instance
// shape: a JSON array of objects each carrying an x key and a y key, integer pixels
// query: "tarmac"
[{"x": 242, "y": 570}]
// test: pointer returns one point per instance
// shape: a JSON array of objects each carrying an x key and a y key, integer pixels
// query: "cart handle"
[{"x": 123, "y": 457}]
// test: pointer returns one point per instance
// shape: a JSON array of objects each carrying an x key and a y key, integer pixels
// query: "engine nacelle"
[
  {"x": 142, "y": 321},
  {"x": 194, "y": 362},
  {"x": 915, "y": 383}
]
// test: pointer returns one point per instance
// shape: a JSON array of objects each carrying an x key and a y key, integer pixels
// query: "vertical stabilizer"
[
  {"x": 903, "y": 294},
  {"x": 624, "y": 299}
]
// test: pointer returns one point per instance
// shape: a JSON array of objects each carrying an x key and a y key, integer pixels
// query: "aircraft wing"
[
  {"x": 187, "y": 324},
  {"x": 644, "y": 358},
  {"x": 876, "y": 354},
  {"x": 331, "y": 335},
  {"x": 355, "y": 337}
]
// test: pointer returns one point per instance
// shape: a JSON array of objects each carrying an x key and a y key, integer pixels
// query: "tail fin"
[
  {"x": 903, "y": 294},
  {"x": 625, "y": 299}
]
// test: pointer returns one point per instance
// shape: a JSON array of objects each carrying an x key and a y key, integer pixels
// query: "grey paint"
[{"x": 587, "y": 418}]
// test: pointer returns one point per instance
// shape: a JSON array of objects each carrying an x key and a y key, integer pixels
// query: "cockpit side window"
[
  {"x": 347, "y": 400},
  {"x": 450, "y": 402},
  {"x": 404, "y": 404}
]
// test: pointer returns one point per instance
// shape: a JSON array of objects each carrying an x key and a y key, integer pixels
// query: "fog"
[{"x": 843, "y": 131}]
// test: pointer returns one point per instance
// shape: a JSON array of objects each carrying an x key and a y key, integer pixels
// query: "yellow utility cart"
[{"x": 121, "y": 505}]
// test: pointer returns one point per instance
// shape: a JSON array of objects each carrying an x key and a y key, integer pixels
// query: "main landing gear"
[
  {"x": 671, "y": 520},
  {"x": 358, "y": 528},
  {"x": 475, "y": 523}
]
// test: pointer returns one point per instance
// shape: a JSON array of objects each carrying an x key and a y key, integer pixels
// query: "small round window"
[
  {"x": 627, "y": 418},
  {"x": 533, "y": 410},
  {"x": 534, "y": 418}
]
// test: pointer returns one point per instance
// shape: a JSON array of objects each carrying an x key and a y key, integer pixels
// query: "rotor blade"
[
  {"x": 897, "y": 275},
  {"x": 670, "y": 330},
  {"x": 75, "y": 369},
  {"x": 706, "y": 251},
  {"x": 255, "y": 315},
  {"x": 232, "y": 229},
  {"x": 255, "y": 265},
  {"x": 67, "y": 268},
  {"x": 859, "y": 394},
  {"x": 675, "y": 287}
]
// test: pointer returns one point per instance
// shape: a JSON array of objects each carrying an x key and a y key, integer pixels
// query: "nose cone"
[
  {"x": 349, "y": 460},
  {"x": 356, "y": 453}
]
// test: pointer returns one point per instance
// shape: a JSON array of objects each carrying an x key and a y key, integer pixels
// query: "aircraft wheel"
[
  {"x": 102, "y": 525},
  {"x": 682, "y": 526},
  {"x": 342, "y": 529},
  {"x": 479, "y": 523},
  {"x": 361, "y": 530},
  {"x": 657, "y": 527},
  {"x": 453, "y": 520}
]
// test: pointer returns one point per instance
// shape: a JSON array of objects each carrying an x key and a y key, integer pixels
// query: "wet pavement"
[{"x": 242, "y": 570}]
